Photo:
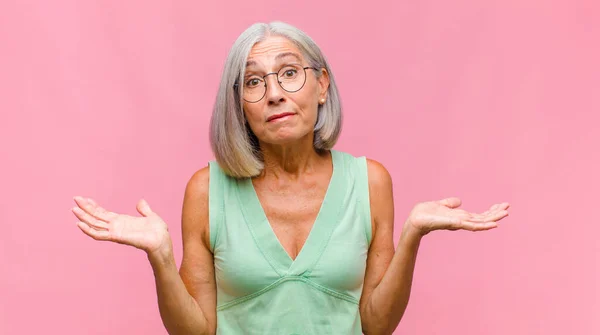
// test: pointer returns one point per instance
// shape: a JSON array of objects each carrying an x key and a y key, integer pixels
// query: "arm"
[
  {"x": 389, "y": 274},
  {"x": 187, "y": 300}
]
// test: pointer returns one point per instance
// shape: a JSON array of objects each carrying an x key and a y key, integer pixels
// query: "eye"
[
  {"x": 253, "y": 82},
  {"x": 290, "y": 73}
]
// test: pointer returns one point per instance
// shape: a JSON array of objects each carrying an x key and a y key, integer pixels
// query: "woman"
[{"x": 282, "y": 234}]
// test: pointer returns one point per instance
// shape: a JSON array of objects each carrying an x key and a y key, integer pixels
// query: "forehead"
[{"x": 272, "y": 50}]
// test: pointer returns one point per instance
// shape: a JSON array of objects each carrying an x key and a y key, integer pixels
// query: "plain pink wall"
[{"x": 489, "y": 101}]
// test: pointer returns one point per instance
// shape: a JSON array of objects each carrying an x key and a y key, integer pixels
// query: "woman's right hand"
[{"x": 148, "y": 232}]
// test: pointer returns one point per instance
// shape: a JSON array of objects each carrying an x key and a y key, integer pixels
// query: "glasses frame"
[{"x": 264, "y": 78}]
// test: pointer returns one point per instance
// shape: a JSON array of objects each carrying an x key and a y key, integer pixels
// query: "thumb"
[
  {"x": 144, "y": 208},
  {"x": 452, "y": 202}
]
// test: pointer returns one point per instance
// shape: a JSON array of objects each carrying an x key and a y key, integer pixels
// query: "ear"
[{"x": 323, "y": 84}]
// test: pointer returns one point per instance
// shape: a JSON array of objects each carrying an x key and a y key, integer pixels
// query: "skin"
[
  {"x": 292, "y": 186},
  {"x": 291, "y": 189}
]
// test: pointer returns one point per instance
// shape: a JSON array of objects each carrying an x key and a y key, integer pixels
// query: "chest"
[{"x": 292, "y": 211}]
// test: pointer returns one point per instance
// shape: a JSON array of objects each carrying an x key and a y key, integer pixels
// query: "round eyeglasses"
[{"x": 291, "y": 78}]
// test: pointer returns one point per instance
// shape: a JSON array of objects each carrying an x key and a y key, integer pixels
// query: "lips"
[{"x": 278, "y": 116}]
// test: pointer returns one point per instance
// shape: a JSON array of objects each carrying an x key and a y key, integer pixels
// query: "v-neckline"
[{"x": 267, "y": 240}]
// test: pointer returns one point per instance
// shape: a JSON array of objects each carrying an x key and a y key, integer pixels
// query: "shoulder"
[
  {"x": 195, "y": 206},
  {"x": 197, "y": 185},
  {"x": 380, "y": 197},
  {"x": 379, "y": 177}
]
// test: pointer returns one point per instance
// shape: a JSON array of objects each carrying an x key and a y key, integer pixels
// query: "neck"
[{"x": 288, "y": 161}]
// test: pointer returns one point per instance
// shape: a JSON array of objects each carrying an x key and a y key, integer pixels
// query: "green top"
[{"x": 260, "y": 289}]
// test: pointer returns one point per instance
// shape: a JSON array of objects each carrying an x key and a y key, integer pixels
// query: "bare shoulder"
[
  {"x": 380, "y": 198},
  {"x": 198, "y": 183},
  {"x": 195, "y": 208},
  {"x": 380, "y": 179}
]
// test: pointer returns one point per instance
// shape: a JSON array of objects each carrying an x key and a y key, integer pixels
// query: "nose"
[{"x": 274, "y": 92}]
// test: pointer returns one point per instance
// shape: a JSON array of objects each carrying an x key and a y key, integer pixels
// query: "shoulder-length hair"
[{"x": 232, "y": 141}]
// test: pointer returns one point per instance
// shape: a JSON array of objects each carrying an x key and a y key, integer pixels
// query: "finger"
[
  {"x": 468, "y": 215},
  {"x": 475, "y": 217},
  {"x": 499, "y": 215},
  {"x": 456, "y": 223},
  {"x": 478, "y": 226},
  {"x": 452, "y": 202},
  {"x": 100, "y": 235},
  {"x": 102, "y": 213},
  {"x": 144, "y": 208},
  {"x": 90, "y": 220},
  {"x": 501, "y": 206},
  {"x": 487, "y": 216},
  {"x": 93, "y": 209},
  {"x": 445, "y": 222},
  {"x": 493, "y": 208}
]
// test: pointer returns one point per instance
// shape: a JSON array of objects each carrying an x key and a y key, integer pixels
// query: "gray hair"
[{"x": 234, "y": 145}]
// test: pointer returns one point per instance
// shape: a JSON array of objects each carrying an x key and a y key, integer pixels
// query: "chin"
[
  {"x": 282, "y": 140},
  {"x": 287, "y": 136}
]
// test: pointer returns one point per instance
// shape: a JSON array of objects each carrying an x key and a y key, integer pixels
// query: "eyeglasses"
[{"x": 291, "y": 78}]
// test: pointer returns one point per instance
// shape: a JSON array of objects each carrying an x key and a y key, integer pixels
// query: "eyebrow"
[{"x": 278, "y": 57}]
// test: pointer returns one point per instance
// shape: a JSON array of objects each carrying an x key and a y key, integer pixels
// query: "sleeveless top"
[{"x": 260, "y": 289}]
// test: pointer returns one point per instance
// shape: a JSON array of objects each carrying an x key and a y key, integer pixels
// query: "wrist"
[
  {"x": 410, "y": 239},
  {"x": 410, "y": 232},
  {"x": 161, "y": 256}
]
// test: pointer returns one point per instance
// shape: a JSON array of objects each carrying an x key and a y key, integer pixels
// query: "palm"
[
  {"x": 445, "y": 214},
  {"x": 148, "y": 233},
  {"x": 140, "y": 232}
]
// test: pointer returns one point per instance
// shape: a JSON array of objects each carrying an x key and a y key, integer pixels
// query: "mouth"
[{"x": 279, "y": 116}]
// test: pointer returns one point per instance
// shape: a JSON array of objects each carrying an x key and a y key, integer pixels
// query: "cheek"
[
  {"x": 254, "y": 120},
  {"x": 311, "y": 100},
  {"x": 310, "y": 108},
  {"x": 252, "y": 115}
]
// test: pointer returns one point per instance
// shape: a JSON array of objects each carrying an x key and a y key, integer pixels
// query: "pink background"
[{"x": 489, "y": 101}]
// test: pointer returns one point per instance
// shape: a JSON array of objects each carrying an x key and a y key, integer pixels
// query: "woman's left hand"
[{"x": 445, "y": 215}]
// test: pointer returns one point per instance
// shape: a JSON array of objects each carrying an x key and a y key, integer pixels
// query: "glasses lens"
[
  {"x": 291, "y": 77},
  {"x": 254, "y": 88}
]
